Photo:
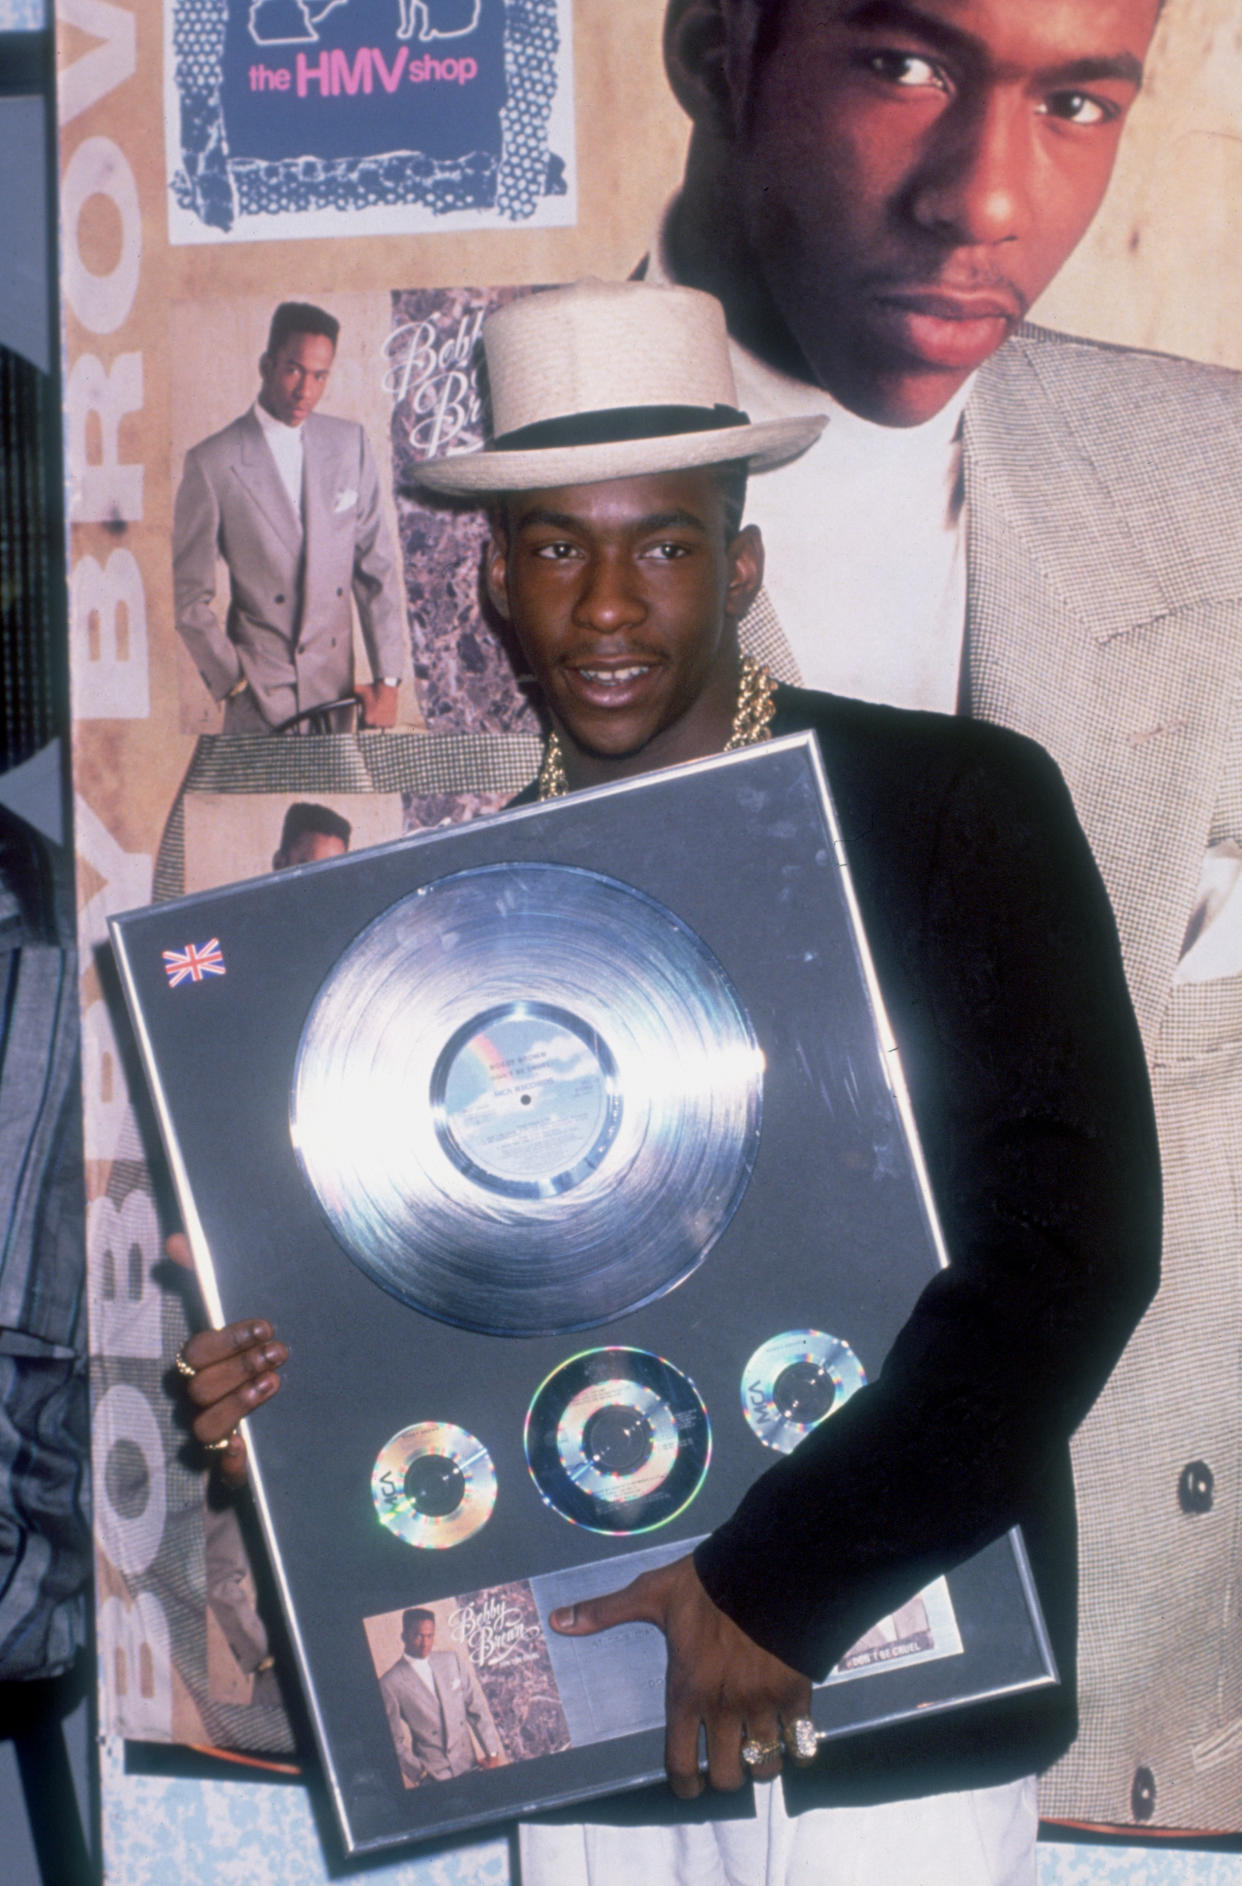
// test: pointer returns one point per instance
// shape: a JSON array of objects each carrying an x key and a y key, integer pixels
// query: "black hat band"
[{"x": 616, "y": 424}]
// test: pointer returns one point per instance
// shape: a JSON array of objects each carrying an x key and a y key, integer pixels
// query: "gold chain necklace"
[{"x": 752, "y": 722}]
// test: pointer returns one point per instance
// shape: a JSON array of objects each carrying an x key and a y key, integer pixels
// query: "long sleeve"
[
  {"x": 478, "y": 1713},
  {"x": 411, "y": 1767},
  {"x": 376, "y": 584},
  {"x": 196, "y": 527}
]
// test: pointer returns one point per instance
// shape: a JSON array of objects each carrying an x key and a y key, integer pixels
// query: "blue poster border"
[{"x": 219, "y": 189}]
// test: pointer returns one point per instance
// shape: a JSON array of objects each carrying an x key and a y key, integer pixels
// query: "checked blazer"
[{"x": 1104, "y": 618}]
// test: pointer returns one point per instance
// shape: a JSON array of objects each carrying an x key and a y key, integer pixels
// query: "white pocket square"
[{"x": 345, "y": 500}]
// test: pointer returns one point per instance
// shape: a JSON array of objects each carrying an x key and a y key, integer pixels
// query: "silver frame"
[{"x": 425, "y": 843}]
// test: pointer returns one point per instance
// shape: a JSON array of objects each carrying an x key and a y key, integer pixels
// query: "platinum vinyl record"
[
  {"x": 433, "y": 1485},
  {"x": 796, "y": 1380},
  {"x": 618, "y": 1440},
  {"x": 528, "y": 1099}
]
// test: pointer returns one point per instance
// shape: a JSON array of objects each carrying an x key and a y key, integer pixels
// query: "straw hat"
[{"x": 611, "y": 380}]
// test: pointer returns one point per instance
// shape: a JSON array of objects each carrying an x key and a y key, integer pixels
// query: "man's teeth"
[{"x": 612, "y": 677}]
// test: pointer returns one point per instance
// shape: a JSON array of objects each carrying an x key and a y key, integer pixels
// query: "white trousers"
[{"x": 985, "y": 1837}]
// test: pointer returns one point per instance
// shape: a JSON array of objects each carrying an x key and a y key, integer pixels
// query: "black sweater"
[{"x": 997, "y": 955}]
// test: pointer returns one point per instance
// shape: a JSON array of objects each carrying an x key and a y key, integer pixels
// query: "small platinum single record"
[
  {"x": 527, "y": 1099},
  {"x": 433, "y": 1485},
  {"x": 796, "y": 1380},
  {"x": 618, "y": 1440}
]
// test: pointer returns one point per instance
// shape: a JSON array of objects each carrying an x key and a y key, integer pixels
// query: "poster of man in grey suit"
[
  {"x": 290, "y": 500},
  {"x": 437, "y": 1712}
]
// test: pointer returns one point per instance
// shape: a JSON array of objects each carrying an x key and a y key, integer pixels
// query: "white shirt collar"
[
  {"x": 286, "y": 446},
  {"x": 275, "y": 429},
  {"x": 422, "y": 1668}
]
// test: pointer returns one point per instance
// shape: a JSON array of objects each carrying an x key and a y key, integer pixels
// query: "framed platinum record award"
[{"x": 569, "y": 1153}]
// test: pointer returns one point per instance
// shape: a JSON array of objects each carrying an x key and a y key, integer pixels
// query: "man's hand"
[
  {"x": 717, "y": 1676},
  {"x": 491, "y": 1761},
  {"x": 234, "y": 1373},
  {"x": 379, "y": 703}
]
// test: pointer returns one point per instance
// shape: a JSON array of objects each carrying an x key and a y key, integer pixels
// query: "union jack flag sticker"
[{"x": 194, "y": 962}]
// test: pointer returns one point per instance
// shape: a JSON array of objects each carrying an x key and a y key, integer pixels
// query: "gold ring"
[
  {"x": 802, "y": 1740},
  {"x": 754, "y": 1754},
  {"x": 182, "y": 1366},
  {"x": 219, "y": 1447}
]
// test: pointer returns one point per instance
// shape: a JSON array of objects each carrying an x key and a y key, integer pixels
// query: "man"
[
  {"x": 290, "y": 500},
  {"x": 310, "y": 834},
  {"x": 433, "y": 1702},
  {"x": 619, "y": 559},
  {"x": 1042, "y": 532}
]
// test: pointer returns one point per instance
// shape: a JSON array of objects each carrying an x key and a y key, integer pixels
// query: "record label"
[
  {"x": 796, "y": 1380},
  {"x": 433, "y": 1485},
  {"x": 527, "y": 1099},
  {"x": 618, "y": 1440}
]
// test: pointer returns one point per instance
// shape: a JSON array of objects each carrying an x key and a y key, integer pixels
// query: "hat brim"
[{"x": 772, "y": 442}]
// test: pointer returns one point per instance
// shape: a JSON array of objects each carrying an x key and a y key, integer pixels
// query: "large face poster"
[{"x": 401, "y": 165}]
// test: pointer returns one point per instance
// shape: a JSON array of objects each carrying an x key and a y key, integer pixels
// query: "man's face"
[
  {"x": 292, "y": 380},
  {"x": 625, "y": 598},
  {"x": 912, "y": 174},
  {"x": 309, "y": 848},
  {"x": 419, "y": 1637}
]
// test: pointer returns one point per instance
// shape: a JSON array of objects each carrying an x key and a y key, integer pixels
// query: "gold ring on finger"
[
  {"x": 220, "y": 1447},
  {"x": 182, "y": 1366},
  {"x": 755, "y": 1754},
  {"x": 802, "y": 1739}
]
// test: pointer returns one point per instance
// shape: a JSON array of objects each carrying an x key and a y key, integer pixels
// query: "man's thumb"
[{"x": 599, "y": 1614}]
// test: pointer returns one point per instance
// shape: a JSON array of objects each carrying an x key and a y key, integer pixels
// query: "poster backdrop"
[{"x": 403, "y": 164}]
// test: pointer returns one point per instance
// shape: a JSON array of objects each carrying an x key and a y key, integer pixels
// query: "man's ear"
[
  {"x": 707, "y": 56},
  {"x": 495, "y": 570},
  {"x": 745, "y": 554}
]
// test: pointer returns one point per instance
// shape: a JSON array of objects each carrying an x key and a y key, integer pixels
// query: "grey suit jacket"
[
  {"x": 288, "y": 625},
  {"x": 433, "y": 1744},
  {"x": 1104, "y": 493}
]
